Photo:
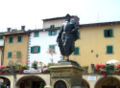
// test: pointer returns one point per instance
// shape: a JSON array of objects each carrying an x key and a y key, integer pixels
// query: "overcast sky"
[{"x": 14, "y": 13}]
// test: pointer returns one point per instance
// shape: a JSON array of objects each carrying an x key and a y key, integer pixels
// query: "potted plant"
[{"x": 35, "y": 65}]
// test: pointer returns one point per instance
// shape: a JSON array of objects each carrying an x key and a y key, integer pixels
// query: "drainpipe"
[{"x": 28, "y": 46}]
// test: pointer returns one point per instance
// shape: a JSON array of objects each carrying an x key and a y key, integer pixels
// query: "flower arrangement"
[
  {"x": 2, "y": 69},
  {"x": 35, "y": 65},
  {"x": 19, "y": 69},
  {"x": 107, "y": 69},
  {"x": 9, "y": 69}
]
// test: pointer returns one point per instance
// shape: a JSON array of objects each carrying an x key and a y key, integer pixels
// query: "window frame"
[
  {"x": 108, "y": 33},
  {"x": 76, "y": 52},
  {"x": 35, "y": 52},
  {"x": 10, "y": 40},
  {"x": 18, "y": 54},
  {"x": 52, "y": 47},
  {"x": 109, "y": 49},
  {"x": 36, "y": 34},
  {"x": 9, "y": 54},
  {"x": 1, "y": 37},
  {"x": 52, "y": 32},
  {"x": 19, "y": 39}
]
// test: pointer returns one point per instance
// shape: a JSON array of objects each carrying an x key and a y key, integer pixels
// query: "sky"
[{"x": 15, "y": 13}]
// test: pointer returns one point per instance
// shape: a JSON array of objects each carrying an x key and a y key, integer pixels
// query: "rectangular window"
[
  {"x": 18, "y": 54},
  {"x": 9, "y": 54},
  {"x": 19, "y": 39},
  {"x": 11, "y": 40},
  {"x": 109, "y": 49},
  {"x": 52, "y": 32},
  {"x": 35, "y": 49},
  {"x": 36, "y": 34},
  {"x": 52, "y": 47},
  {"x": 76, "y": 52},
  {"x": 1, "y": 37},
  {"x": 108, "y": 33}
]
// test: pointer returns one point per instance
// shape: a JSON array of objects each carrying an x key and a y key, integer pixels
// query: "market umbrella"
[{"x": 113, "y": 61}]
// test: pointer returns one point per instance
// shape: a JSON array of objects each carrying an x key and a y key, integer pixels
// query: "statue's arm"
[
  {"x": 60, "y": 33},
  {"x": 75, "y": 28}
]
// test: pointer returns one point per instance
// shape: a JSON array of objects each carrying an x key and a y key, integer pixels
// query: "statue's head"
[
  {"x": 76, "y": 19},
  {"x": 68, "y": 17},
  {"x": 73, "y": 21}
]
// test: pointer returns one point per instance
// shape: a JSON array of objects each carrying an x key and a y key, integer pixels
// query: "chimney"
[
  {"x": 8, "y": 29},
  {"x": 23, "y": 28}
]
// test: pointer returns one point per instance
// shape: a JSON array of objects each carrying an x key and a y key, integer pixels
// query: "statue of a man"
[{"x": 67, "y": 36}]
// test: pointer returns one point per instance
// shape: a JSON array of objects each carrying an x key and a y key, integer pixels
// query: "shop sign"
[
  {"x": 32, "y": 71},
  {"x": 92, "y": 78}
]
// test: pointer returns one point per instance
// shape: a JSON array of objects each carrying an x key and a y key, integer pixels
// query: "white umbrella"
[{"x": 113, "y": 61}]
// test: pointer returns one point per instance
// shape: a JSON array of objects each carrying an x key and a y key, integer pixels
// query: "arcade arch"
[
  {"x": 108, "y": 82},
  {"x": 30, "y": 82}
]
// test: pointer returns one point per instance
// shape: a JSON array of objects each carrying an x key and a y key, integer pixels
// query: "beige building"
[
  {"x": 56, "y": 22},
  {"x": 1, "y": 48},
  {"x": 98, "y": 43},
  {"x": 16, "y": 45}
]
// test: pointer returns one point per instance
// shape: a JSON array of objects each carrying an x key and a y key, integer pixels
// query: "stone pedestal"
[{"x": 66, "y": 75}]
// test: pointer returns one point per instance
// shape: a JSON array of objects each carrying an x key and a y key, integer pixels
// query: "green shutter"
[
  {"x": 55, "y": 32},
  {"x": 49, "y": 33},
  {"x": 105, "y": 33},
  {"x": 32, "y": 49},
  {"x": 11, "y": 40},
  {"x": 1, "y": 37},
  {"x": 52, "y": 47},
  {"x": 38, "y": 49},
  {"x": 19, "y": 38},
  {"x": 76, "y": 52},
  {"x": 36, "y": 34},
  {"x": 108, "y": 33},
  {"x": 18, "y": 54},
  {"x": 111, "y": 33},
  {"x": 109, "y": 49},
  {"x": 9, "y": 54}
]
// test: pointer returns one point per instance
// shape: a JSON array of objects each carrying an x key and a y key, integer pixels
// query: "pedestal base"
[{"x": 66, "y": 74}]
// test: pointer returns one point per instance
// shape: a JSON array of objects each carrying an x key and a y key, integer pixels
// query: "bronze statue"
[{"x": 67, "y": 36}]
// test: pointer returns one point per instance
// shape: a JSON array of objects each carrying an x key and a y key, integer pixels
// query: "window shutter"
[
  {"x": 105, "y": 33},
  {"x": 36, "y": 34},
  {"x": 11, "y": 40},
  {"x": 52, "y": 47},
  {"x": 109, "y": 49},
  {"x": 55, "y": 32},
  {"x": 76, "y": 52},
  {"x": 32, "y": 49},
  {"x": 38, "y": 49},
  {"x": 19, "y": 38},
  {"x": 49, "y": 32},
  {"x": 18, "y": 54},
  {"x": 111, "y": 33},
  {"x": 9, "y": 54},
  {"x": 1, "y": 37}
]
